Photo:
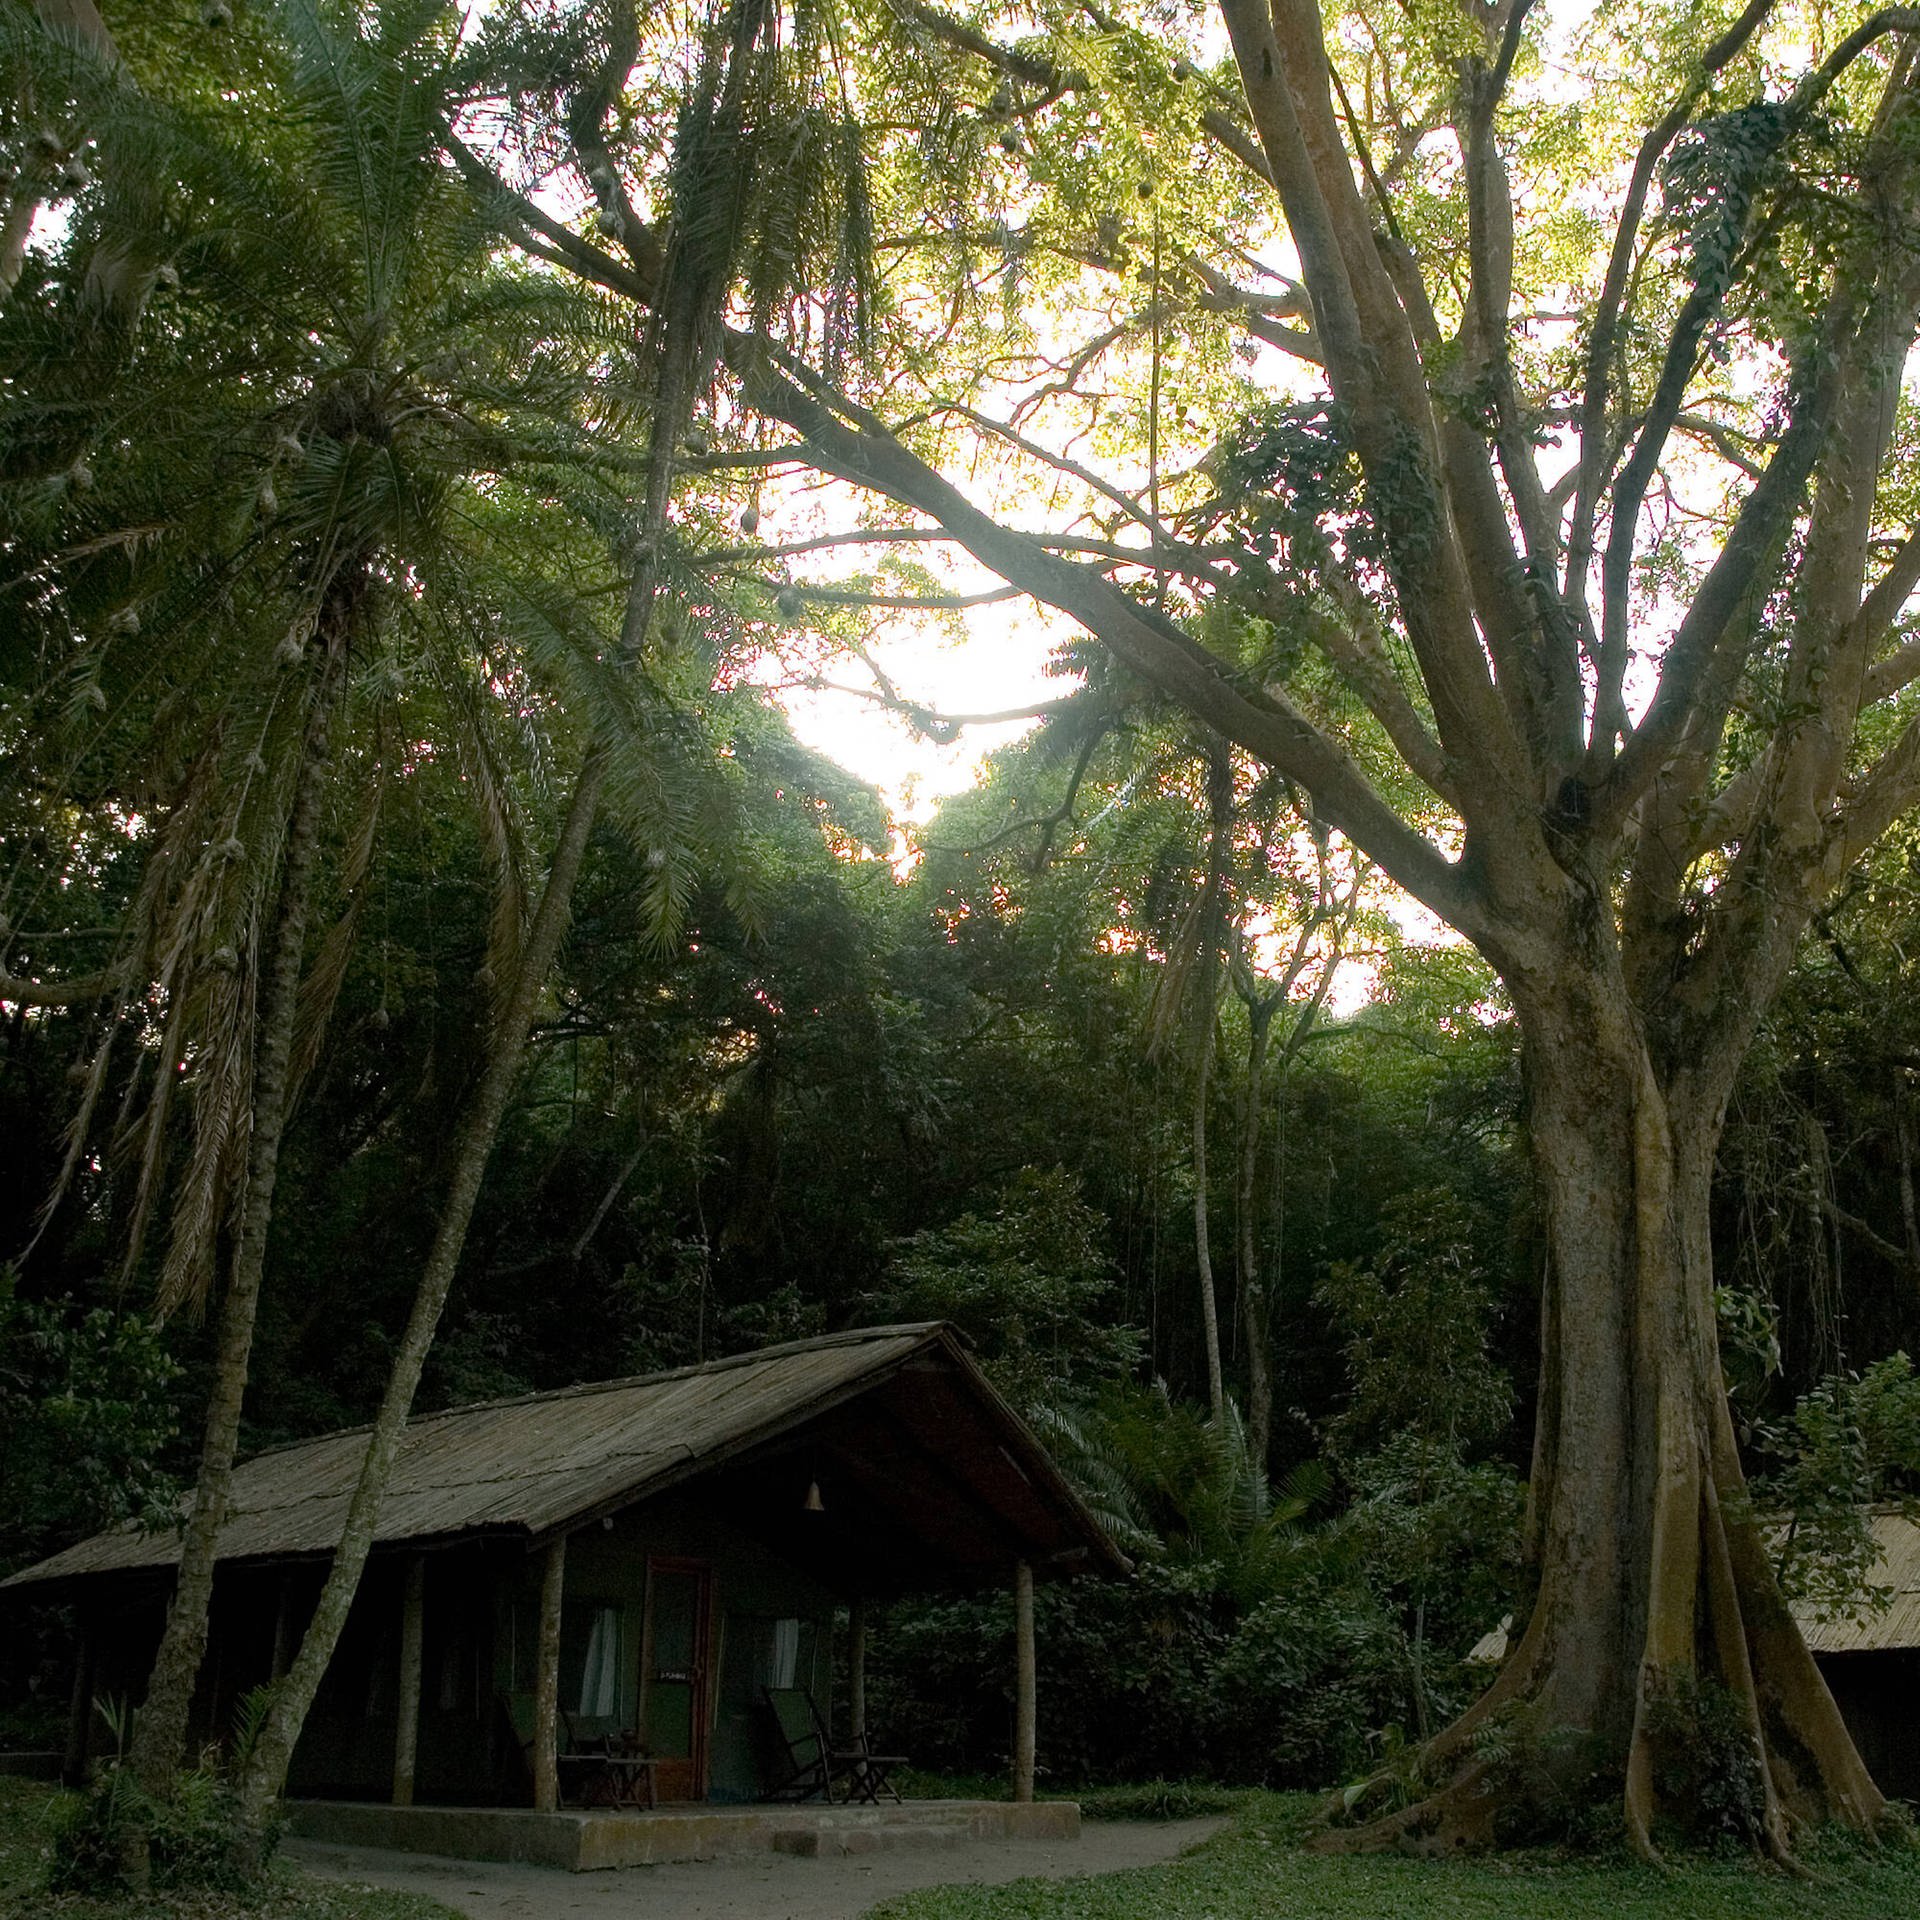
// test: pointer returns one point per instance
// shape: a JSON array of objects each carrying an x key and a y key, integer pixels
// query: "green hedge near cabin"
[
  {"x": 1158, "y": 1676},
  {"x": 1257, "y": 1870}
]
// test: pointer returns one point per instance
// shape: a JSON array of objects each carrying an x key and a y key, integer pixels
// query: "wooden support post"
[
  {"x": 857, "y": 1669},
  {"x": 1023, "y": 1696},
  {"x": 546, "y": 1681},
  {"x": 406, "y": 1731},
  {"x": 73, "y": 1765}
]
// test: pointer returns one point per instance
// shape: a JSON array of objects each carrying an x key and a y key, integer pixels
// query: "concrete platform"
[{"x": 586, "y": 1841}]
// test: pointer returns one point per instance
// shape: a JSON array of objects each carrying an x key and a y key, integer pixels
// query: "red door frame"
[{"x": 683, "y": 1778}]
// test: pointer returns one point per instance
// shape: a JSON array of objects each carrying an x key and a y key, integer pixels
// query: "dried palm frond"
[
  {"x": 220, "y": 1072},
  {"x": 320, "y": 990}
]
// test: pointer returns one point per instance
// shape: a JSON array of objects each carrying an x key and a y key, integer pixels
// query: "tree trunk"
[
  {"x": 1658, "y": 1631},
  {"x": 1903, "y": 1126},
  {"x": 1202, "y": 1233},
  {"x": 1253, "y": 1295},
  {"x": 266, "y": 1770},
  {"x": 160, "y": 1727},
  {"x": 857, "y": 1669},
  {"x": 1207, "y": 958}
]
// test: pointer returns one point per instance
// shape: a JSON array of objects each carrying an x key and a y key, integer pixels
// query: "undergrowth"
[
  {"x": 34, "y": 1815},
  {"x": 1159, "y": 1800}
]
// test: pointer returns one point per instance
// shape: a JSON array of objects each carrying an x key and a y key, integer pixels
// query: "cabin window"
[
  {"x": 590, "y": 1660},
  {"x": 762, "y": 1653},
  {"x": 783, "y": 1654}
]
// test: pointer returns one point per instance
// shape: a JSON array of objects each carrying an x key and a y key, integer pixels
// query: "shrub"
[
  {"x": 1309, "y": 1679},
  {"x": 1159, "y": 1800},
  {"x": 1123, "y": 1681},
  {"x": 194, "y": 1838}
]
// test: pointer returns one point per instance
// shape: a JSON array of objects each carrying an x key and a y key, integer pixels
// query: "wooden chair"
[
  {"x": 596, "y": 1769},
  {"x": 868, "y": 1774},
  {"x": 816, "y": 1768},
  {"x": 606, "y": 1769},
  {"x": 809, "y": 1768}
]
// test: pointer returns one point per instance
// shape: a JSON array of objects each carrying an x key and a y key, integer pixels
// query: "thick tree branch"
[
  {"x": 14, "y": 991},
  {"x": 1742, "y": 561},
  {"x": 1149, "y": 643},
  {"x": 1373, "y": 364},
  {"x": 521, "y": 219},
  {"x": 1886, "y": 600},
  {"x": 1871, "y": 804},
  {"x": 1037, "y": 71},
  {"x": 1258, "y": 313},
  {"x": 1896, "y": 1256},
  {"x": 902, "y": 602},
  {"x": 1352, "y": 640},
  {"x": 937, "y": 721},
  {"x": 1607, "y": 313}
]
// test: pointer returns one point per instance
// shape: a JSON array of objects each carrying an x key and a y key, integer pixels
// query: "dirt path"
[{"x": 763, "y": 1886}]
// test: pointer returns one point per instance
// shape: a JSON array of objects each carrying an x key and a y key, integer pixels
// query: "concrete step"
[
  {"x": 831, "y": 1841},
  {"x": 580, "y": 1841}
]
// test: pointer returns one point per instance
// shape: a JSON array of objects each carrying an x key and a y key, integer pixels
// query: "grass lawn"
[
  {"x": 1256, "y": 1871},
  {"x": 26, "y": 1809}
]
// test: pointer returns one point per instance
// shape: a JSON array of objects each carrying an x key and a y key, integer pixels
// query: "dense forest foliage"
[
  {"x": 433, "y": 966},
  {"x": 951, "y": 1091}
]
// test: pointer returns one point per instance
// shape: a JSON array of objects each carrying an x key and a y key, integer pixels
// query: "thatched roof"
[
  {"x": 899, "y": 1420},
  {"x": 1895, "y": 1577},
  {"x": 1896, "y": 1574}
]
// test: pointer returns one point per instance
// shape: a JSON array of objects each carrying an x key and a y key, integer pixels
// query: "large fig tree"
[{"x": 1589, "y": 493}]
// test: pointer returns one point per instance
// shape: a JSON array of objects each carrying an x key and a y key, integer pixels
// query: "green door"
[{"x": 675, "y": 1653}]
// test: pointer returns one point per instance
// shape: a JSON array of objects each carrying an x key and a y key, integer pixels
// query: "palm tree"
[
  {"x": 1168, "y": 1481},
  {"x": 312, "y": 479},
  {"x": 741, "y": 218}
]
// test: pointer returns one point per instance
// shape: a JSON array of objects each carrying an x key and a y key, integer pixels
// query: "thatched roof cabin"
[{"x": 709, "y": 1520}]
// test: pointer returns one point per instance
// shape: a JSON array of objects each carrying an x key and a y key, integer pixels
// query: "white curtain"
[
  {"x": 600, "y": 1679},
  {"x": 783, "y": 1663}
]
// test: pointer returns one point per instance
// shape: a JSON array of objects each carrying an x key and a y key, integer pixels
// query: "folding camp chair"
[
  {"x": 867, "y": 1773},
  {"x": 817, "y": 1768},
  {"x": 810, "y": 1768}
]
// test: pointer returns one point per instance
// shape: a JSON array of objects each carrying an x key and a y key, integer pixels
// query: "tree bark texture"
[
  {"x": 1252, "y": 1287},
  {"x": 160, "y": 1727},
  {"x": 1207, "y": 959},
  {"x": 857, "y": 1669},
  {"x": 1202, "y": 1228}
]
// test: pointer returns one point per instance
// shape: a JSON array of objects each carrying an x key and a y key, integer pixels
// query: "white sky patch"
[{"x": 999, "y": 663}]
